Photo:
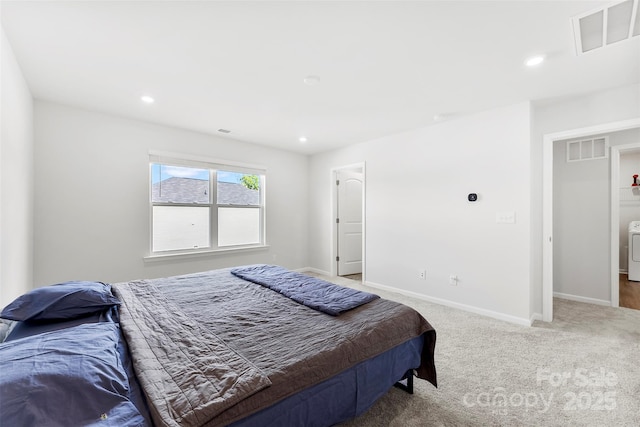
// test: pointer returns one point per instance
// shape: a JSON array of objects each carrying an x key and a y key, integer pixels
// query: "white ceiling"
[{"x": 384, "y": 67}]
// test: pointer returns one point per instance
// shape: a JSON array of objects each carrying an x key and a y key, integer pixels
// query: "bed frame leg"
[{"x": 408, "y": 377}]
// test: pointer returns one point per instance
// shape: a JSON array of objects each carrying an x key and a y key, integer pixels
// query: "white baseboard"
[
  {"x": 489, "y": 313},
  {"x": 535, "y": 316},
  {"x": 582, "y": 299},
  {"x": 313, "y": 270}
]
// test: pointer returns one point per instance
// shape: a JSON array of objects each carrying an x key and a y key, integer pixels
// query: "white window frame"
[{"x": 213, "y": 166}]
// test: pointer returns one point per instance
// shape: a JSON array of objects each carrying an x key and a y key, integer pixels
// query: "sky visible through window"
[{"x": 161, "y": 172}]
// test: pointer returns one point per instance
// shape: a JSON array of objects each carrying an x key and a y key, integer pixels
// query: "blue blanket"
[
  {"x": 69, "y": 377},
  {"x": 310, "y": 291}
]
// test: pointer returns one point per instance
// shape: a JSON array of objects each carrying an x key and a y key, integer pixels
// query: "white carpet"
[{"x": 581, "y": 370}]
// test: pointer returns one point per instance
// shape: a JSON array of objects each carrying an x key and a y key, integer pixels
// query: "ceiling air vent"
[{"x": 604, "y": 26}]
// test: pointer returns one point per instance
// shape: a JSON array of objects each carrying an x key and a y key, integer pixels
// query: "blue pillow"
[
  {"x": 62, "y": 301},
  {"x": 70, "y": 377}
]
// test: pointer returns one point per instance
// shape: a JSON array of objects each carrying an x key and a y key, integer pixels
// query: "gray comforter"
[
  {"x": 188, "y": 374},
  {"x": 211, "y": 348}
]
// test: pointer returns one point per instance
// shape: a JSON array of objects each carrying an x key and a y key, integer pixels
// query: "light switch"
[{"x": 506, "y": 217}]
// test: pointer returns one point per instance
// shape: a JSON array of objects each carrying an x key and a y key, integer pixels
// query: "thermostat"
[{"x": 472, "y": 197}]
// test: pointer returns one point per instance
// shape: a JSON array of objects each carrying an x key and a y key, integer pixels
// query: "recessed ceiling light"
[
  {"x": 147, "y": 99},
  {"x": 311, "y": 80},
  {"x": 534, "y": 60},
  {"x": 302, "y": 139}
]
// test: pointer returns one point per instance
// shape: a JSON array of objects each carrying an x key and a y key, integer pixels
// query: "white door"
[{"x": 349, "y": 222}]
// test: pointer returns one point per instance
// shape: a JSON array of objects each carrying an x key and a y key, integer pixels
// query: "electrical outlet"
[
  {"x": 422, "y": 274},
  {"x": 453, "y": 280}
]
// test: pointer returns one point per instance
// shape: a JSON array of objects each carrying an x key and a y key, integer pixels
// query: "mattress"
[
  {"x": 211, "y": 349},
  {"x": 294, "y": 346}
]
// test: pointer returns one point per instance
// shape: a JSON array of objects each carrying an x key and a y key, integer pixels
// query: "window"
[{"x": 198, "y": 206}]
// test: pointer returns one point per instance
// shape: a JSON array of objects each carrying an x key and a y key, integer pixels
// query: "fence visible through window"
[{"x": 196, "y": 208}]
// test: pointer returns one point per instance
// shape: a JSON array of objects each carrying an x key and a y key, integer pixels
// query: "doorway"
[
  {"x": 625, "y": 207},
  {"x": 547, "y": 214},
  {"x": 348, "y": 199}
]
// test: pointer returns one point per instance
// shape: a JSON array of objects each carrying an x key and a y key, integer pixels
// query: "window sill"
[{"x": 201, "y": 254}]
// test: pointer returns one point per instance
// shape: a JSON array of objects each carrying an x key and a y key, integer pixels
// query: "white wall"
[
  {"x": 559, "y": 115},
  {"x": 92, "y": 192},
  {"x": 582, "y": 221},
  {"x": 16, "y": 179},
  {"x": 418, "y": 216},
  {"x": 581, "y": 226}
]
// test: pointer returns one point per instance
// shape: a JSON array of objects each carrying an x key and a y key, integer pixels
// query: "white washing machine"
[{"x": 634, "y": 251}]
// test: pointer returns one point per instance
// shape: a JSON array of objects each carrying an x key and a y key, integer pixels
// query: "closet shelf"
[{"x": 630, "y": 194}]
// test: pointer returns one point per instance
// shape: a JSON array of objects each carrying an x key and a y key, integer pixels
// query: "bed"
[{"x": 250, "y": 346}]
